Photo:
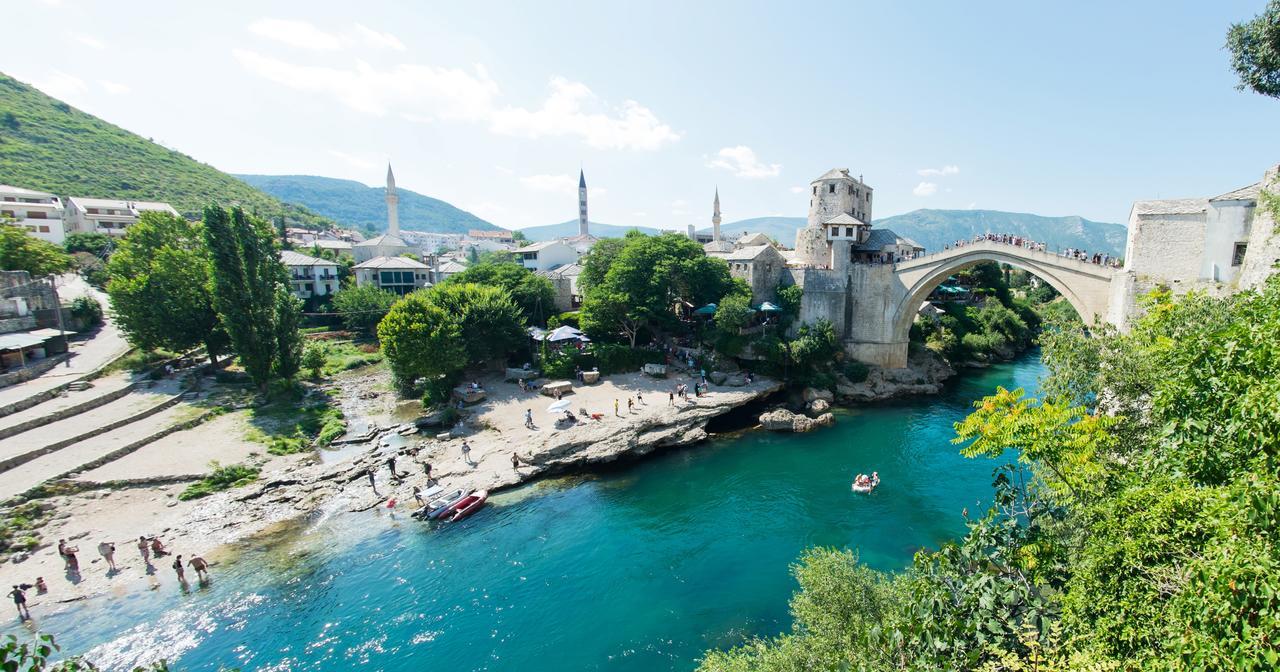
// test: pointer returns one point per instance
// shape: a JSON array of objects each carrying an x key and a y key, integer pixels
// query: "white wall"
[{"x": 1226, "y": 223}]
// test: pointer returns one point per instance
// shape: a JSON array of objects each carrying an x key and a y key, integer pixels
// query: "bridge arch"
[{"x": 925, "y": 283}]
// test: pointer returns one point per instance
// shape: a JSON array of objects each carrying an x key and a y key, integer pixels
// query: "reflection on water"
[{"x": 638, "y": 568}]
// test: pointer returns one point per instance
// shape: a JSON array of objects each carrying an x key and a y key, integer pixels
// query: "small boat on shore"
[
  {"x": 865, "y": 486},
  {"x": 440, "y": 505},
  {"x": 468, "y": 505}
]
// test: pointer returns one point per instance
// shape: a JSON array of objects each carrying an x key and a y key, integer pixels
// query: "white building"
[
  {"x": 564, "y": 280},
  {"x": 310, "y": 276},
  {"x": 399, "y": 275},
  {"x": 38, "y": 212},
  {"x": 108, "y": 216},
  {"x": 1192, "y": 240},
  {"x": 546, "y": 255}
]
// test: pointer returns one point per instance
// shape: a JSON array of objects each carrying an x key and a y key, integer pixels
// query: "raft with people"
[{"x": 864, "y": 484}]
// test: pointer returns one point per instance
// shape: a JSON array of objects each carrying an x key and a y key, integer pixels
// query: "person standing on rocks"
[
  {"x": 466, "y": 452},
  {"x": 528, "y": 418},
  {"x": 631, "y": 405},
  {"x": 391, "y": 464},
  {"x": 426, "y": 468},
  {"x": 145, "y": 550},
  {"x": 20, "y": 601},
  {"x": 181, "y": 571},
  {"x": 615, "y": 409},
  {"x": 515, "y": 461},
  {"x": 417, "y": 495},
  {"x": 671, "y": 399},
  {"x": 108, "y": 552},
  {"x": 372, "y": 483}
]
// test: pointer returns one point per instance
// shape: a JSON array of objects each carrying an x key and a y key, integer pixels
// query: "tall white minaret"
[
  {"x": 393, "y": 201},
  {"x": 715, "y": 218},
  {"x": 582, "y": 203}
]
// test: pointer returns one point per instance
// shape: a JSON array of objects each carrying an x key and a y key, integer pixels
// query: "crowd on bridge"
[{"x": 1100, "y": 258}]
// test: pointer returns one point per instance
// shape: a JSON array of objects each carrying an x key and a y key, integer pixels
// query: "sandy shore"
[{"x": 298, "y": 485}]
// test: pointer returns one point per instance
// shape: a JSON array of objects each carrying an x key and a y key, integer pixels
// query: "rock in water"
[{"x": 819, "y": 406}]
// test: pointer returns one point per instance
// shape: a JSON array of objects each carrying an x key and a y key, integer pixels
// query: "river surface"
[{"x": 642, "y": 567}]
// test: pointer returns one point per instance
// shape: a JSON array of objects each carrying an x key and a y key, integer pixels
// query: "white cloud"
[
  {"x": 798, "y": 190},
  {"x": 973, "y": 205},
  {"x": 639, "y": 214},
  {"x": 376, "y": 39},
  {"x": 937, "y": 172},
  {"x": 88, "y": 41},
  {"x": 742, "y": 162},
  {"x": 355, "y": 161},
  {"x": 428, "y": 93},
  {"x": 925, "y": 189},
  {"x": 565, "y": 112},
  {"x": 306, "y": 35},
  {"x": 113, "y": 88},
  {"x": 61, "y": 85}
]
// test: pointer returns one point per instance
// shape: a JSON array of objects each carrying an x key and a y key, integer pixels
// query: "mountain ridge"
[{"x": 354, "y": 204}]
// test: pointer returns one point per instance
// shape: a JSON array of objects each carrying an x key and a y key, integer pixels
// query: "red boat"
[{"x": 467, "y": 506}]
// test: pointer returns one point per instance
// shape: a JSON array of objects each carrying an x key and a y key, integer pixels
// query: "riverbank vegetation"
[
  {"x": 1135, "y": 526},
  {"x": 221, "y": 477}
]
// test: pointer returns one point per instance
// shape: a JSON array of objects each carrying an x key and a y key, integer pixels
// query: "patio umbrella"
[
  {"x": 537, "y": 334},
  {"x": 767, "y": 307},
  {"x": 565, "y": 333},
  {"x": 559, "y": 406},
  {"x": 709, "y": 309}
]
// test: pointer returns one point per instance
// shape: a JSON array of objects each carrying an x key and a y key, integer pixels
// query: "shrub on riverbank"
[{"x": 221, "y": 478}]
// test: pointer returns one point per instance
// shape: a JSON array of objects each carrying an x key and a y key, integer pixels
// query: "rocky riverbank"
[{"x": 925, "y": 374}]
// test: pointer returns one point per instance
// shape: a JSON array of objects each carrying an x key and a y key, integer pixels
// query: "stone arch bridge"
[{"x": 883, "y": 341}]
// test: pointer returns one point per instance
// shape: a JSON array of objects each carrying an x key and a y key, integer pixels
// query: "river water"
[{"x": 643, "y": 567}]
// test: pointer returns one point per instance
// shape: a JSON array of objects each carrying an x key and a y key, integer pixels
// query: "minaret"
[
  {"x": 715, "y": 219},
  {"x": 393, "y": 217},
  {"x": 582, "y": 203}
]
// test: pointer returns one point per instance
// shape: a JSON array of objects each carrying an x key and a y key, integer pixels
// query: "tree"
[
  {"x": 288, "y": 339},
  {"x": 646, "y": 278},
  {"x": 246, "y": 276},
  {"x": 98, "y": 244},
  {"x": 597, "y": 261},
  {"x": 160, "y": 286},
  {"x": 1255, "y": 51},
  {"x": 21, "y": 252},
  {"x": 362, "y": 308},
  {"x": 421, "y": 341},
  {"x": 533, "y": 293},
  {"x": 520, "y": 238},
  {"x": 313, "y": 359},
  {"x": 490, "y": 321}
]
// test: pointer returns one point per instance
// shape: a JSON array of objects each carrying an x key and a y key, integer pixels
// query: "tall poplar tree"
[
  {"x": 246, "y": 276},
  {"x": 288, "y": 338}
]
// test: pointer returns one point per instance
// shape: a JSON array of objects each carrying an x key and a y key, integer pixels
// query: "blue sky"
[{"x": 1052, "y": 108}]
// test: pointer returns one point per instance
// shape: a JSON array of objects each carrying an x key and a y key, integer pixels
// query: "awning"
[
  {"x": 767, "y": 307},
  {"x": 18, "y": 341},
  {"x": 564, "y": 333},
  {"x": 50, "y": 333},
  {"x": 709, "y": 309}
]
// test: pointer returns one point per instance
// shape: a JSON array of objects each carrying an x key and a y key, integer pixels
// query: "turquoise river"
[{"x": 641, "y": 567}]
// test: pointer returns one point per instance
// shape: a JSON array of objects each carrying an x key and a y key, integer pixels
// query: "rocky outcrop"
[
  {"x": 925, "y": 374},
  {"x": 818, "y": 406},
  {"x": 782, "y": 420}
]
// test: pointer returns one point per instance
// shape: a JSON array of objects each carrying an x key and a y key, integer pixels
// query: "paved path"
[{"x": 26, "y": 476}]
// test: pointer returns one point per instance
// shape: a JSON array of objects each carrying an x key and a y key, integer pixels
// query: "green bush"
[
  {"x": 222, "y": 478},
  {"x": 87, "y": 309},
  {"x": 856, "y": 371}
]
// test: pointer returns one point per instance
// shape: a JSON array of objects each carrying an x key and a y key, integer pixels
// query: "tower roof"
[
  {"x": 717, "y": 202},
  {"x": 582, "y": 179},
  {"x": 835, "y": 174},
  {"x": 391, "y": 178}
]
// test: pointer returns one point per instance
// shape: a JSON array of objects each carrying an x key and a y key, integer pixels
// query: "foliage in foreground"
[
  {"x": 1255, "y": 51},
  {"x": 221, "y": 478},
  {"x": 22, "y": 252},
  {"x": 1139, "y": 528}
]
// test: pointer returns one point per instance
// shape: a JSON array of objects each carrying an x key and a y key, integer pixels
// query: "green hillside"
[
  {"x": 46, "y": 144},
  {"x": 353, "y": 204}
]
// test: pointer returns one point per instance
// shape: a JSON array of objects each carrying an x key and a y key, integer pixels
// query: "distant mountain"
[
  {"x": 570, "y": 228},
  {"x": 353, "y": 204},
  {"x": 781, "y": 229},
  {"x": 47, "y": 145},
  {"x": 936, "y": 228}
]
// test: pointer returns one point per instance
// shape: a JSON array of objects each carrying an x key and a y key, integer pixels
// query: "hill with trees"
[
  {"x": 48, "y": 145},
  {"x": 355, "y": 205}
]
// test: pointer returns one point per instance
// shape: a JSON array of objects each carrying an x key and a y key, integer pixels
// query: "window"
[
  {"x": 8, "y": 199},
  {"x": 44, "y": 228},
  {"x": 35, "y": 214},
  {"x": 831, "y": 188},
  {"x": 850, "y": 190},
  {"x": 848, "y": 231},
  {"x": 815, "y": 192},
  {"x": 6, "y": 213},
  {"x": 1237, "y": 257}
]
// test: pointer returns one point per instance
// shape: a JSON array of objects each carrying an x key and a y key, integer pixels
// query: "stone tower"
[
  {"x": 715, "y": 218},
  {"x": 833, "y": 194},
  {"x": 582, "y": 203},
  {"x": 393, "y": 202}
]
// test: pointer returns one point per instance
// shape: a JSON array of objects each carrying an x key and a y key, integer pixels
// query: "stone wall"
[
  {"x": 1169, "y": 246},
  {"x": 1264, "y": 242}
]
